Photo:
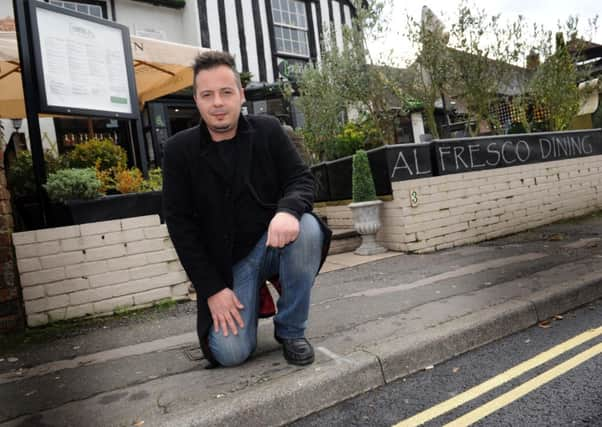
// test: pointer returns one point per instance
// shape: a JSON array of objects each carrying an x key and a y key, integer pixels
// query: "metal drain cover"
[{"x": 194, "y": 353}]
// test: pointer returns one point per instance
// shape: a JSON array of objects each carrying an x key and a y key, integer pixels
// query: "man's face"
[{"x": 219, "y": 100}]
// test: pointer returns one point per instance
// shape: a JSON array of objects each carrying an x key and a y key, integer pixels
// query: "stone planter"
[{"x": 366, "y": 221}]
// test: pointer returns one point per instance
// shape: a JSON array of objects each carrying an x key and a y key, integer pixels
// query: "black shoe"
[{"x": 297, "y": 351}]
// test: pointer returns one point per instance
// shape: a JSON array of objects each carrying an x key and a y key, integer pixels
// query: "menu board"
[{"x": 84, "y": 64}]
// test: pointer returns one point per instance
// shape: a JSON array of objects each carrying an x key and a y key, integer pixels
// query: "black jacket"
[{"x": 197, "y": 200}]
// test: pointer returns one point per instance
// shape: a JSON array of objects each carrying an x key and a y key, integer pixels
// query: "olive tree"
[
  {"x": 554, "y": 87},
  {"x": 485, "y": 50},
  {"x": 426, "y": 80},
  {"x": 346, "y": 79}
]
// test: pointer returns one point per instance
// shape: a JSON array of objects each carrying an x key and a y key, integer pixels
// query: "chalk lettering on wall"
[
  {"x": 563, "y": 147},
  {"x": 413, "y": 167},
  {"x": 470, "y": 154},
  {"x": 406, "y": 166}
]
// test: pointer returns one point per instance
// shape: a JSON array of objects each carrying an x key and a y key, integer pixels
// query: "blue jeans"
[{"x": 297, "y": 265}]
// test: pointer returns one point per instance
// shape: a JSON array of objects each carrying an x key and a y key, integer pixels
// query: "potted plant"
[
  {"x": 70, "y": 184},
  {"x": 133, "y": 196},
  {"x": 128, "y": 194},
  {"x": 365, "y": 206}
]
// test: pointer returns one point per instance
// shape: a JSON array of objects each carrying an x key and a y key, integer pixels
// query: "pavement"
[{"x": 373, "y": 320}]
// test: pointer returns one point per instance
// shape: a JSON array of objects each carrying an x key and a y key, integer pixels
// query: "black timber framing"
[{"x": 204, "y": 23}]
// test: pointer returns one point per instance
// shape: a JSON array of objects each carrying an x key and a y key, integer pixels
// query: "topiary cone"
[{"x": 362, "y": 183}]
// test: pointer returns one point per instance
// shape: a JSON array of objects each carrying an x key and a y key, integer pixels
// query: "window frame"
[
  {"x": 101, "y": 4},
  {"x": 279, "y": 50}
]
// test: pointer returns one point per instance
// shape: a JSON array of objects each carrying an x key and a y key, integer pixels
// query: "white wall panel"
[
  {"x": 249, "y": 20},
  {"x": 232, "y": 24},
  {"x": 267, "y": 46},
  {"x": 214, "y": 27}
]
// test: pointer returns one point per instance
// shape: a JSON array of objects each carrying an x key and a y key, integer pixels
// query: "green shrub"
[
  {"x": 101, "y": 154},
  {"x": 70, "y": 184},
  {"x": 347, "y": 142},
  {"x": 362, "y": 182},
  {"x": 154, "y": 181},
  {"x": 362, "y": 135},
  {"x": 129, "y": 181},
  {"x": 21, "y": 179}
]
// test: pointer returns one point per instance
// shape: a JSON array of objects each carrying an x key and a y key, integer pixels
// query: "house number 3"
[{"x": 413, "y": 198}]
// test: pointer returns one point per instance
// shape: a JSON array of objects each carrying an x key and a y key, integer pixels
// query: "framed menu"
[{"x": 83, "y": 64}]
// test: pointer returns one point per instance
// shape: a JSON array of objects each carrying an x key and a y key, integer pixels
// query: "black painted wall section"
[
  {"x": 204, "y": 23},
  {"x": 259, "y": 41},
  {"x": 473, "y": 154},
  {"x": 222, "y": 24},
  {"x": 402, "y": 162},
  {"x": 241, "y": 36}
]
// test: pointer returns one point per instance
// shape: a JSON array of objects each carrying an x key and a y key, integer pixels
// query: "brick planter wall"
[
  {"x": 458, "y": 209},
  {"x": 96, "y": 268}
]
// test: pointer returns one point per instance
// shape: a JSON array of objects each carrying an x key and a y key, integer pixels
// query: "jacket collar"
[{"x": 244, "y": 132}]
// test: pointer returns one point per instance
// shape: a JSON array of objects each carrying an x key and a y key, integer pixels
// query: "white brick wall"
[
  {"x": 94, "y": 269},
  {"x": 464, "y": 208}
]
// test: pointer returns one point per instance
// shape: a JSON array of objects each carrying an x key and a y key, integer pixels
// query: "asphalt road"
[{"x": 573, "y": 398}]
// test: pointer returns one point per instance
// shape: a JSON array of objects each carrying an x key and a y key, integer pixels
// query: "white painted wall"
[
  {"x": 233, "y": 41},
  {"x": 214, "y": 27},
  {"x": 347, "y": 14},
  {"x": 46, "y": 129},
  {"x": 417, "y": 125},
  {"x": 174, "y": 23},
  {"x": 6, "y": 9},
  {"x": 314, "y": 16},
  {"x": 267, "y": 46},
  {"x": 325, "y": 17},
  {"x": 192, "y": 26},
  {"x": 338, "y": 25},
  {"x": 247, "y": 12}
]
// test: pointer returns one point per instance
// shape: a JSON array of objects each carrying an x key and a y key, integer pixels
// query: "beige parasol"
[{"x": 160, "y": 68}]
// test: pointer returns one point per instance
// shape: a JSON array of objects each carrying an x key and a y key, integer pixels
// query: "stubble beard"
[{"x": 222, "y": 129}]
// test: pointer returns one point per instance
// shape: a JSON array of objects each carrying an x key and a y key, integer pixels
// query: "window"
[
  {"x": 290, "y": 27},
  {"x": 86, "y": 9}
]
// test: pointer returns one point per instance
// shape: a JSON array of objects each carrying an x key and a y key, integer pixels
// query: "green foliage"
[
  {"x": 485, "y": 49},
  {"x": 21, "y": 179},
  {"x": 323, "y": 106},
  {"x": 353, "y": 136},
  {"x": 345, "y": 81},
  {"x": 363, "y": 183},
  {"x": 154, "y": 181},
  {"x": 101, "y": 154},
  {"x": 70, "y": 184},
  {"x": 554, "y": 87},
  {"x": 129, "y": 181},
  {"x": 429, "y": 77},
  {"x": 245, "y": 78},
  {"x": 480, "y": 62}
]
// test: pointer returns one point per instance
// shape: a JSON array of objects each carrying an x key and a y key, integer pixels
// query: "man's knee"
[
  {"x": 309, "y": 229},
  {"x": 232, "y": 350}
]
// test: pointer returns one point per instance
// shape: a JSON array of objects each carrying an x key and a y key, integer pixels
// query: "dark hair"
[{"x": 211, "y": 59}]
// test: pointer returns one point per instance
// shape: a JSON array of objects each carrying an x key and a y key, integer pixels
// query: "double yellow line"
[{"x": 509, "y": 375}]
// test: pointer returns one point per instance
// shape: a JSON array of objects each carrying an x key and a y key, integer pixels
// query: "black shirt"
[{"x": 247, "y": 228}]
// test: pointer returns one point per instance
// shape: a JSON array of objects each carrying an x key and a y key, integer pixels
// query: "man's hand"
[
  {"x": 283, "y": 229},
  {"x": 224, "y": 307}
]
